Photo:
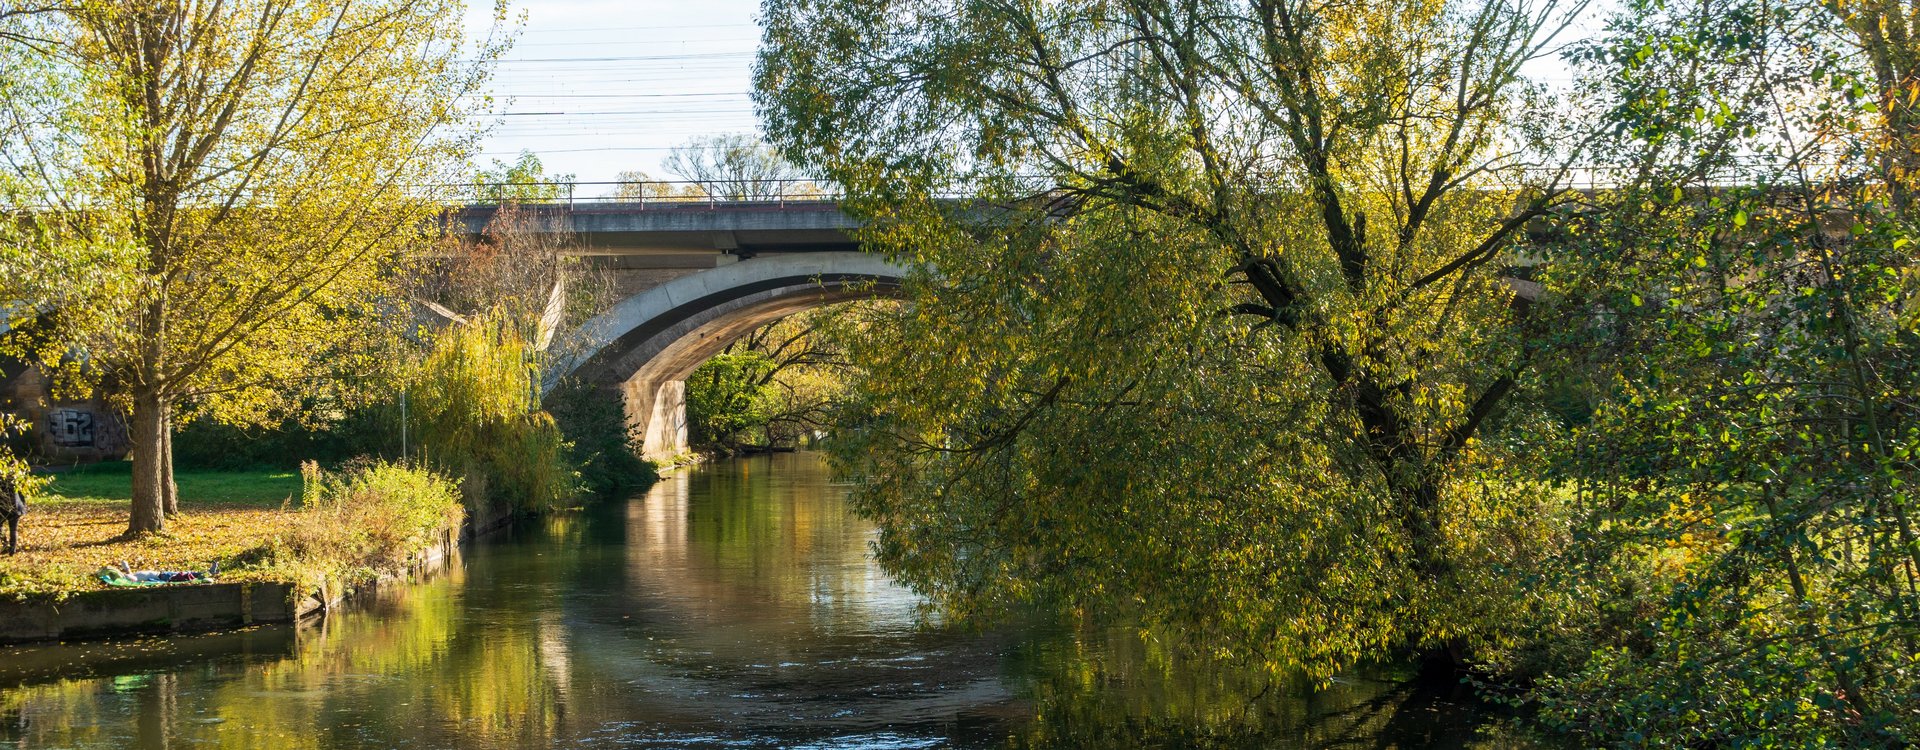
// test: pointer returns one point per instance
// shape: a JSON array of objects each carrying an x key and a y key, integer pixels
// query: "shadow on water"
[{"x": 730, "y": 606}]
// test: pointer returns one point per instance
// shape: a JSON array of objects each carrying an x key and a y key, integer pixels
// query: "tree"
[
  {"x": 1227, "y": 333},
  {"x": 523, "y": 181},
  {"x": 1750, "y": 567},
  {"x": 777, "y": 384},
  {"x": 265, "y": 162},
  {"x": 46, "y": 265},
  {"x": 738, "y": 167},
  {"x": 520, "y": 290},
  {"x": 1884, "y": 33},
  {"x": 523, "y": 273},
  {"x": 640, "y": 186},
  {"x": 477, "y": 408}
]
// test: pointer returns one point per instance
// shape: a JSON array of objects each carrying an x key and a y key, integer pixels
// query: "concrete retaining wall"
[
  {"x": 190, "y": 608},
  {"x": 161, "y": 609}
]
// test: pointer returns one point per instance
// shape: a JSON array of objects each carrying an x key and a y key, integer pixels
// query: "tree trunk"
[
  {"x": 169, "y": 489},
  {"x": 149, "y": 456}
]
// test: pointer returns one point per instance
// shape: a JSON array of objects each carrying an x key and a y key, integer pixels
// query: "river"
[{"x": 732, "y": 605}]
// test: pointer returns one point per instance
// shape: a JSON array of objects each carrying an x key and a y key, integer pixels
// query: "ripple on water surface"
[{"x": 733, "y": 605}]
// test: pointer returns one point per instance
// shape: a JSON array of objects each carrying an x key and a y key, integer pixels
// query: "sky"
[{"x": 597, "y": 87}]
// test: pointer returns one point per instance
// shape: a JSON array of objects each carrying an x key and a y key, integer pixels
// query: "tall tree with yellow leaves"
[{"x": 263, "y": 161}]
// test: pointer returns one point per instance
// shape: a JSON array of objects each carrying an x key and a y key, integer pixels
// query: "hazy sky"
[{"x": 596, "y": 87}]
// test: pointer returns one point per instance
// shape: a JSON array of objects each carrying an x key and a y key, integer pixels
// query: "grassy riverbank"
[
  {"x": 255, "y": 523},
  {"x": 266, "y": 488}
]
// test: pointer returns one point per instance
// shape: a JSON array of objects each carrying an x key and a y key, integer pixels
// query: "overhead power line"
[
  {"x": 583, "y": 150},
  {"x": 615, "y": 96},
  {"x": 623, "y": 41},
  {"x": 624, "y": 58},
  {"x": 643, "y": 28},
  {"x": 615, "y": 112}
]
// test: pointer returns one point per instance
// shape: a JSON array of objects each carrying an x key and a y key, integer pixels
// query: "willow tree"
[
  {"x": 1224, "y": 332},
  {"x": 264, "y": 162}
]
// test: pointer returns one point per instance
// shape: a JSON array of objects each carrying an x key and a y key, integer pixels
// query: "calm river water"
[{"x": 733, "y": 605}]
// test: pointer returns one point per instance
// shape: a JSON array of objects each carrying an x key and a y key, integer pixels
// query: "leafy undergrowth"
[
  {"x": 373, "y": 519},
  {"x": 348, "y": 526}
]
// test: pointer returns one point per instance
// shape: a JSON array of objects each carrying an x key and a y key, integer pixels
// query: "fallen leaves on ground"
[{"x": 62, "y": 544}]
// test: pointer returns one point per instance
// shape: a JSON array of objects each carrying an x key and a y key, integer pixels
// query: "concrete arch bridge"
[
  {"x": 692, "y": 276},
  {"x": 695, "y": 274}
]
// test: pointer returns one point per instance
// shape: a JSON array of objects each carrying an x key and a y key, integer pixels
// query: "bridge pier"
[{"x": 662, "y": 418}]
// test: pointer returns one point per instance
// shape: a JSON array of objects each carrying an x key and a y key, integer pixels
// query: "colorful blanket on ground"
[{"x": 115, "y": 577}]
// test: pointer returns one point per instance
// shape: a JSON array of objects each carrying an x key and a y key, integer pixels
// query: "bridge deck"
[{"x": 678, "y": 227}]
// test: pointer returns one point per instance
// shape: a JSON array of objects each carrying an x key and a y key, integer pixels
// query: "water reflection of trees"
[
  {"x": 1128, "y": 687},
  {"x": 737, "y": 571},
  {"x": 407, "y": 670},
  {"x": 762, "y": 548}
]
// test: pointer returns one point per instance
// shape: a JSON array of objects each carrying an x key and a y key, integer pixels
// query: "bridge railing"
[
  {"x": 641, "y": 194},
  {"x": 714, "y": 193}
]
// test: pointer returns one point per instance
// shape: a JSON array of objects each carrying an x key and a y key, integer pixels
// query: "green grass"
[{"x": 114, "y": 481}]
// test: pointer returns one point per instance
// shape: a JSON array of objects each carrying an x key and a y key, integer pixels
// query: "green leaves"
[
  {"x": 1747, "y": 452},
  {"x": 1235, "y": 346},
  {"x": 729, "y": 394},
  {"x": 525, "y": 180},
  {"x": 475, "y": 414}
]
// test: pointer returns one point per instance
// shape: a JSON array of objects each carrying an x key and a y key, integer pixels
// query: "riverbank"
[
  {"x": 304, "y": 544},
  {"x": 75, "y": 527}
]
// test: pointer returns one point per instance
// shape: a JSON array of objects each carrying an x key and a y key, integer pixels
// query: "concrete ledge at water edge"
[
  {"x": 160, "y": 609},
  {"x": 198, "y": 607}
]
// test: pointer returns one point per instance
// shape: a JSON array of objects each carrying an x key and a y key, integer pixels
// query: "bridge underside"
[{"x": 644, "y": 348}]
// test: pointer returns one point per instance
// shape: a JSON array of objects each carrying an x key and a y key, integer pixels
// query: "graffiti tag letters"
[{"x": 70, "y": 428}]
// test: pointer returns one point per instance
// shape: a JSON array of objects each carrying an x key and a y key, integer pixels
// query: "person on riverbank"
[
  {"x": 13, "y": 506},
  {"x": 125, "y": 575}
]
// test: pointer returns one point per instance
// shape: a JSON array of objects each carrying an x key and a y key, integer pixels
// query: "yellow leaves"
[{"x": 283, "y": 196}]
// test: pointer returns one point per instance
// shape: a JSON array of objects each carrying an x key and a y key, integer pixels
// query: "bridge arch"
[{"x": 643, "y": 348}]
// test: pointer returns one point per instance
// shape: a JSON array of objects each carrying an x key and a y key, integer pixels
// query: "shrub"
[
  {"x": 369, "y": 519},
  {"x": 605, "y": 448},
  {"x": 331, "y": 438}
]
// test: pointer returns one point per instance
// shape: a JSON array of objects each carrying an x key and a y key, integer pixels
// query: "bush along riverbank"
[{"x": 349, "y": 529}]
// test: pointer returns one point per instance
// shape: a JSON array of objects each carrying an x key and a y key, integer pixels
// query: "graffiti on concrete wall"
[
  {"x": 109, "y": 433},
  {"x": 71, "y": 428}
]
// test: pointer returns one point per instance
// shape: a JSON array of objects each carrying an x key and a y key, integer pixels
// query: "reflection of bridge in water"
[{"x": 692, "y": 274}]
